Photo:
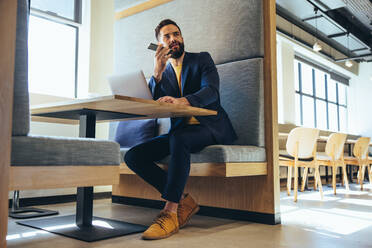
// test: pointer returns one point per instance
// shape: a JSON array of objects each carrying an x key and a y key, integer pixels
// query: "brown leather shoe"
[
  {"x": 164, "y": 225},
  {"x": 187, "y": 207}
]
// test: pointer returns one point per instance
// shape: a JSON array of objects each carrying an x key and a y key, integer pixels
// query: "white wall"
[
  {"x": 101, "y": 52},
  {"x": 360, "y": 117}
]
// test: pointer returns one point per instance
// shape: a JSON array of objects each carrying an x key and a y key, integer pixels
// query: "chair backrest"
[
  {"x": 21, "y": 105},
  {"x": 361, "y": 147},
  {"x": 306, "y": 139},
  {"x": 335, "y": 145}
]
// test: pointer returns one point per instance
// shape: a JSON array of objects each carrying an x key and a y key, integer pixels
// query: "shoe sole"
[
  {"x": 160, "y": 237},
  {"x": 194, "y": 211}
]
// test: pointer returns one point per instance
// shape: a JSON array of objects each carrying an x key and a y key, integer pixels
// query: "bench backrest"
[
  {"x": 231, "y": 31},
  {"x": 228, "y": 30},
  {"x": 21, "y": 105}
]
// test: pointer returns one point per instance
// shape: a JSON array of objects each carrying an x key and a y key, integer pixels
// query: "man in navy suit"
[{"x": 189, "y": 79}]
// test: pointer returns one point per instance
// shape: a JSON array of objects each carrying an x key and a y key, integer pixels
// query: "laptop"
[{"x": 130, "y": 84}]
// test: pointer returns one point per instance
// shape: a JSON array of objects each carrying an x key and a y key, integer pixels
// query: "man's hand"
[
  {"x": 179, "y": 101},
  {"x": 160, "y": 61}
]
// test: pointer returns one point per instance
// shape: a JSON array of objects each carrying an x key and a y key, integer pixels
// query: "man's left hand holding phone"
[
  {"x": 161, "y": 57},
  {"x": 160, "y": 61}
]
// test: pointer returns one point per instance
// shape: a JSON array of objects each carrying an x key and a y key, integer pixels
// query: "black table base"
[{"x": 100, "y": 229}]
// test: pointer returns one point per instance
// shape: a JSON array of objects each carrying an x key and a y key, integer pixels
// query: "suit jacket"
[{"x": 200, "y": 85}]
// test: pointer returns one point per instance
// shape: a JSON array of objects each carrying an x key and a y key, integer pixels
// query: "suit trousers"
[{"x": 178, "y": 144}]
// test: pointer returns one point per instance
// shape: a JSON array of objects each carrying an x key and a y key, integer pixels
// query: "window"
[
  {"x": 321, "y": 101},
  {"x": 53, "y": 47}
]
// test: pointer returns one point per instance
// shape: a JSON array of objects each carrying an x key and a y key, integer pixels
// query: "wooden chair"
[
  {"x": 335, "y": 157},
  {"x": 360, "y": 159},
  {"x": 301, "y": 147}
]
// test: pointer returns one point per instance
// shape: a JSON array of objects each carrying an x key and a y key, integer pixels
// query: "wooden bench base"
[
  {"x": 47, "y": 177},
  {"x": 217, "y": 169}
]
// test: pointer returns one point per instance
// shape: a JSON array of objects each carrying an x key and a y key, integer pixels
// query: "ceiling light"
[
  {"x": 317, "y": 47},
  {"x": 348, "y": 63}
]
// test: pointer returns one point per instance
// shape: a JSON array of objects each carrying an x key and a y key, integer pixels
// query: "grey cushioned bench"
[
  {"x": 241, "y": 89},
  {"x": 47, "y": 150},
  {"x": 42, "y": 162},
  {"x": 39, "y": 151}
]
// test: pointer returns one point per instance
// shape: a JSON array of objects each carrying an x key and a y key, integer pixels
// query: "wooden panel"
[
  {"x": 241, "y": 193},
  {"x": 271, "y": 188},
  {"x": 245, "y": 169},
  {"x": 121, "y": 104},
  {"x": 8, "y": 10},
  {"x": 47, "y": 177},
  {"x": 139, "y": 8},
  {"x": 217, "y": 169}
]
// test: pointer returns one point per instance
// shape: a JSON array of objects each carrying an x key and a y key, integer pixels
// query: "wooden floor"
[{"x": 344, "y": 220}]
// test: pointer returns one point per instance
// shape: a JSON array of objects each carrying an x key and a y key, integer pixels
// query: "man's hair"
[{"x": 162, "y": 24}]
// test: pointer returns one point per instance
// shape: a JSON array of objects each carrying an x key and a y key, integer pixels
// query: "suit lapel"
[
  {"x": 185, "y": 70},
  {"x": 173, "y": 79}
]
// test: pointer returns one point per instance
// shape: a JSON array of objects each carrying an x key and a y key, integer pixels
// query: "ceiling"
[{"x": 345, "y": 25}]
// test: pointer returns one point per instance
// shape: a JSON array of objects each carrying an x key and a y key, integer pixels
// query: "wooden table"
[{"x": 86, "y": 113}]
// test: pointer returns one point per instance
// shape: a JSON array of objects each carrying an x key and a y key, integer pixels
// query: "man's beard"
[{"x": 178, "y": 53}]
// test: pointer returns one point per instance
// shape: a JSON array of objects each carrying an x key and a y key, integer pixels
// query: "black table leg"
[
  {"x": 84, "y": 196},
  {"x": 84, "y": 206},
  {"x": 84, "y": 226}
]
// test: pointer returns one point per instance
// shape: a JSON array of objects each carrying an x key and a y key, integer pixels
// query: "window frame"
[
  {"x": 77, "y": 13},
  {"x": 315, "y": 97},
  {"x": 74, "y": 23}
]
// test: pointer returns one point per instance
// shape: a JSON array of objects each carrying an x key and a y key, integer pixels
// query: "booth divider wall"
[{"x": 8, "y": 14}]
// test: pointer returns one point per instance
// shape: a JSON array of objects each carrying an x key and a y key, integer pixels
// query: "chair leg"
[
  {"x": 289, "y": 180},
  {"x": 334, "y": 169},
  {"x": 295, "y": 186},
  {"x": 369, "y": 173},
  {"x": 345, "y": 177},
  {"x": 361, "y": 176},
  {"x": 317, "y": 174},
  {"x": 316, "y": 181},
  {"x": 304, "y": 178}
]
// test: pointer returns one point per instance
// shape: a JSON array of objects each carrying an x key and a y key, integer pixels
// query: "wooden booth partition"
[
  {"x": 253, "y": 198},
  {"x": 8, "y": 14}
]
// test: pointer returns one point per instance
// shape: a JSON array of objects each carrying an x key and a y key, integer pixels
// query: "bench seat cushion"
[
  {"x": 48, "y": 150},
  {"x": 221, "y": 154}
]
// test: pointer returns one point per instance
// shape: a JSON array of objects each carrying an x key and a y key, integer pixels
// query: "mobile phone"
[{"x": 153, "y": 47}]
